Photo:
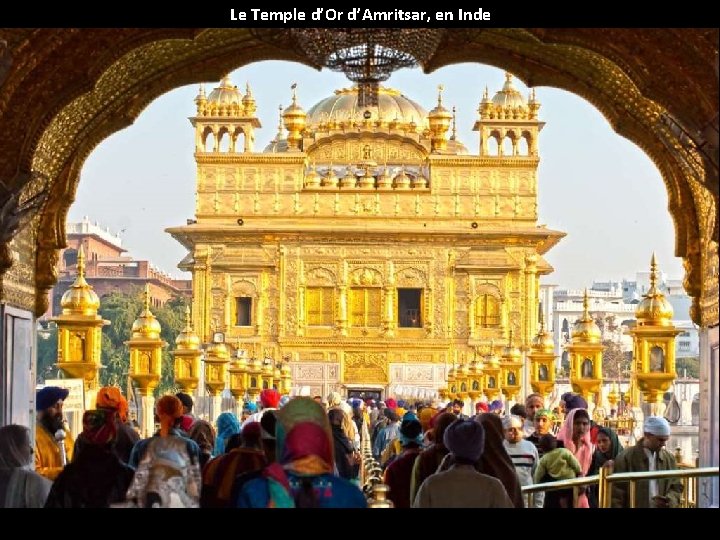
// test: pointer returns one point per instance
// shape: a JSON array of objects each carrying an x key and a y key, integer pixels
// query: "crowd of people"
[{"x": 305, "y": 452}]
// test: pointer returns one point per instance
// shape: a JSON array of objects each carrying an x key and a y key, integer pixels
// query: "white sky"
[{"x": 599, "y": 188}]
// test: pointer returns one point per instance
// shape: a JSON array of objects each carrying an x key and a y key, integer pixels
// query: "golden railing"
[
  {"x": 604, "y": 480},
  {"x": 371, "y": 476}
]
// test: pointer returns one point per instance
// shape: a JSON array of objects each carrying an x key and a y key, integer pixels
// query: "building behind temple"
[
  {"x": 109, "y": 269},
  {"x": 366, "y": 244}
]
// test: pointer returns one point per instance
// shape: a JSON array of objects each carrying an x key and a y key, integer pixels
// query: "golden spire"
[
  {"x": 187, "y": 339},
  {"x": 653, "y": 273},
  {"x": 654, "y": 309},
  {"x": 543, "y": 341},
  {"x": 187, "y": 318},
  {"x": 81, "y": 265},
  {"x": 441, "y": 88},
  {"x": 281, "y": 126},
  {"x": 146, "y": 325},
  {"x": 454, "y": 123},
  {"x": 293, "y": 87},
  {"x": 80, "y": 298},
  {"x": 585, "y": 329}
]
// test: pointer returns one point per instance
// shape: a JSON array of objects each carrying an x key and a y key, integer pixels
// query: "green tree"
[
  {"x": 122, "y": 310},
  {"x": 689, "y": 367},
  {"x": 46, "y": 354}
]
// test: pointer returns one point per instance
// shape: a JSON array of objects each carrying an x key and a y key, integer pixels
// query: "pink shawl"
[{"x": 583, "y": 453}]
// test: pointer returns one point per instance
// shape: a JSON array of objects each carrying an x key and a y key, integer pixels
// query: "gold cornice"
[
  {"x": 218, "y": 158},
  {"x": 515, "y": 162}
]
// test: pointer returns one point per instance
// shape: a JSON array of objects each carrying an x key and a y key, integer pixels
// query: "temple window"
[
  {"x": 244, "y": 311},
  {"x": 365, "y": 306},
  {"x": 487, "y": 313},
  {"x": 409, "y": 308},
  {"x": 320, "y": 302}
]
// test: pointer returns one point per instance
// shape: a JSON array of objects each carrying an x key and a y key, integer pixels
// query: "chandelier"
[{"x": 368, "y": 56}]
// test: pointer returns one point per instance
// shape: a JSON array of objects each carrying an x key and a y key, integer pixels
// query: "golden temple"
[{"x": 366, "y": 244}]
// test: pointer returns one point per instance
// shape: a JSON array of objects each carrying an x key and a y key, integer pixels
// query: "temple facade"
[{"x": 366, "y": 245}]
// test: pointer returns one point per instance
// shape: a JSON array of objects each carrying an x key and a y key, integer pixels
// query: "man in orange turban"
[{"x": 110, "y": 398}]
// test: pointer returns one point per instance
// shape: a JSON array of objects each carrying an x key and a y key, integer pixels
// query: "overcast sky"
[{"x": 596, "y": 186}]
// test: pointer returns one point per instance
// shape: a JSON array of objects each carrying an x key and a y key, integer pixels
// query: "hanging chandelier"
[{"x": 368, "y": 56}]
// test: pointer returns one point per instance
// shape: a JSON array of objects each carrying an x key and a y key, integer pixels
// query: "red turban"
[{"x": 269, "y": 398}]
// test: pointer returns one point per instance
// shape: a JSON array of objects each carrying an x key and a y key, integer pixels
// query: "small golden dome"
[
  {"x": 217, "y": 351},
  {"x": 146, "y": 326},
  {"x": 492, "y": 359},
  {"x": 543, "y": 341},
  {"x": 80, "y": 298},
  {"x": 511, "y": 353},
  {"x": 654, "y": 309},
  {"x": 343, "y": 107},
  {"x": 226, "y": 93},
  {"x": 585, "y": 329},
  {"x": 509, "y": 96},
  {"x": 187, "y": 340},
  {"x": 294, "y": 110}
]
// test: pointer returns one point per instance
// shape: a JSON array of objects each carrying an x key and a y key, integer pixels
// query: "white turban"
[
  {"x": 656, "y": 425},
  {"x": 334, "y": 399}
]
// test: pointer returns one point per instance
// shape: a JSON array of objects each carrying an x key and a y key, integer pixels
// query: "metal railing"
[{"x": 604, "y": 480}]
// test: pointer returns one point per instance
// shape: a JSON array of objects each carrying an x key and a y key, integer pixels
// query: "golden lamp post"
[
  {"x": 511, "y": 365},
  {"x": 492, "y": 374},
  {"x": 585, "y": 351},
  {"x": 268, "y": 372},
  {"x": 475, "y": 379},
  {"x": 146, "y": 362},
  {"x": 217, "y": 359},
  {"x": 80, "y": 333},
  {"x": 255, "y": 382},
  {"x": 285, "y": 376},
  {"x": 654, "y": 344},
  {"x": 239, "y": 378},
  {"x": 462, "y": 380},
  {"x": 452, "y": 382},
  {"x": 542, "y": 361},
  {"x": 187, "y": 357}
]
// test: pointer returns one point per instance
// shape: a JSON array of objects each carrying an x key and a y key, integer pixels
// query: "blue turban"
[
  {"x": 250, "y": 407},
  {"x": 227, "y": 425},
  {"x": 49, "y": 396},
  {"x": 575, "y": 401}
]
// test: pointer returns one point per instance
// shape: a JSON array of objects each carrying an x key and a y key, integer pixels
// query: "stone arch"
[
  {"x": 653, "y": 98},
  {"x": 238, "y": 140},
  {"x": 223, "y": 140},
  {"x": 243, "y": 287},
  {"x": 209, "y": 140},
  {"x": 491, "y": 289}
]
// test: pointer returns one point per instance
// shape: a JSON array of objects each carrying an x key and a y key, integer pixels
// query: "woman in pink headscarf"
[{"x": 575, "y": 436}]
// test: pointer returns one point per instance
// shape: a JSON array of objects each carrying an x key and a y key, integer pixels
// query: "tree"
[{"x": 689, "y": 367}]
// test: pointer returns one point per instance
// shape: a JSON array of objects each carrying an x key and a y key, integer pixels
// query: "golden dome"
[
  {"x": 80, "y": 298},
  {"x": 492, "y": 359},
  {"x": 293, "y": 109},
  {"x": 511, "y": 352},
  {"x": 226, "y": 93},
  {"x": 585, "y": 329},
  {"x": 146, "y": 326},
  {"x": 343, "y": 106},
  {"x": 509, "y": 96},
  {"x": 187, "y": 340},
  {"x": 654, "y": 309},
  {"x": 217, "y": 352},
  {"x": 543, "y": 341}
]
